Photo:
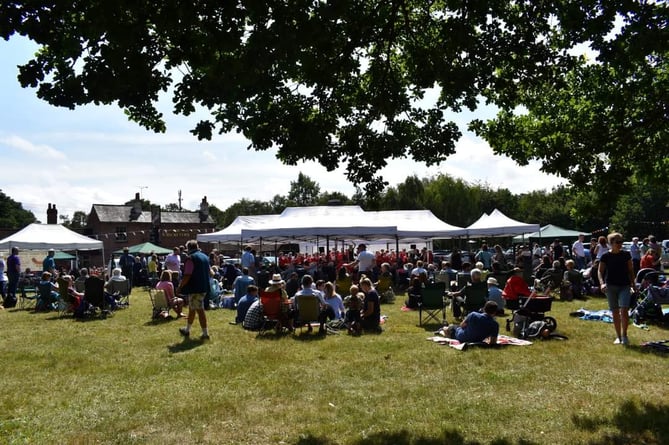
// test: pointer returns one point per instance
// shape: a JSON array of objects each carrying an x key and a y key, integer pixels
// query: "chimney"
[
  {"x": 51, "y": 214},
  {"x": 204, "y": 210},
  {"x": 136, "y": 210}
]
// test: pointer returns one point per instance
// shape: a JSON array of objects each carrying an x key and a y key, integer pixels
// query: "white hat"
[
  {"x": 493, "y": 280},
  {"x": 276, "y": 279}
]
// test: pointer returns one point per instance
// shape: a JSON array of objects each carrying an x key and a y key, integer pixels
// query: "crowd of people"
[{"x": 351, "y": 283}]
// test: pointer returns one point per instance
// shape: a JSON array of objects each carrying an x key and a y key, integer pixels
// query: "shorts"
[
  {"x": 196, "y": 301},
  {"x": 618, "y": 296}
]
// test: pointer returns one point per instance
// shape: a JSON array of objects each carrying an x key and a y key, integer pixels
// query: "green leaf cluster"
[
  {"x": 13, "y": 215},
  {"x": 356, "y": 83}
]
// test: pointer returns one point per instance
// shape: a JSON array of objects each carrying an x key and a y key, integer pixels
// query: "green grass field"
[{"x": 128, "y": 380}]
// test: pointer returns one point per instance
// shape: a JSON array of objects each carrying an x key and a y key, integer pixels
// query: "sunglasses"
[{"x": 618, "y": 241}]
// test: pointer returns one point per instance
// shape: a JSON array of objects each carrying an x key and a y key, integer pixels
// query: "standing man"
[
  {"x": 248, "y": 261},
  {"x": 195, "y": 284},
  {"x": 127, "y": 265},
  {"x": 13, "y": 276},
  {"x": 365, "y": 261},
  {"x": 173, "y": 261},
  {"x": 635, "y": 252},
  {"x": 3, "y": 283},
  {"x": 578, "y": 251},
  {"x": 49, "y": 264}
]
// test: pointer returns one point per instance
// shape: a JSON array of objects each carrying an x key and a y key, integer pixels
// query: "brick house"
[{"x": 118, "y": 226}]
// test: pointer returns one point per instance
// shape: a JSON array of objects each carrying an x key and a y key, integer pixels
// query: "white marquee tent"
[
  {"x": 498, "y": 224},
  {"x": 49, "y": 236},
  {"x": 350, "y": 223},
  {"x": 418, "y": 225},
  {"x": 233, "y": 232},
  {"x": 333, "y": 222}
]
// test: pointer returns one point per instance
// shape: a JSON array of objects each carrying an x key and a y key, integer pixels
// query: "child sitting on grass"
[{"x": 353, "y": 304}]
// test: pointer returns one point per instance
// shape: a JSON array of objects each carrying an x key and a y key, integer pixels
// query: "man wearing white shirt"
[
  {"x": 578, "y": 251},
  {"x": 248, "y": 260},
  {"x": 365, "y": 261},
  {"x": 173, "y": 261}
]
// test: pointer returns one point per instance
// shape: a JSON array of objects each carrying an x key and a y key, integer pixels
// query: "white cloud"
[
  {"x": 208, "y": 155},
  {"x": 36, "y": 150}
]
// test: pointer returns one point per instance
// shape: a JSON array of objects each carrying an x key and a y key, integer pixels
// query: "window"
[{"x": 121, "y": 234}]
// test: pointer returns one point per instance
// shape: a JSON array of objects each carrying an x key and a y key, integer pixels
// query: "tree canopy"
[
  {"x": 13, "y": 215},
  {"x": 360, "y": 82}
]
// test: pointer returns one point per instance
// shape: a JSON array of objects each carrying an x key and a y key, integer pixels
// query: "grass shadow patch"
[
  {"x": 309, "y": 336},
  {"x": 633, "y": 422},
  {"x": 159, "y": 321},
  {"x": 186, "y": 345}
]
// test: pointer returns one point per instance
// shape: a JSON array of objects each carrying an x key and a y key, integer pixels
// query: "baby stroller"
[
  {"x": 530, "y": 319},
  {"x": 652, "y": 295}
]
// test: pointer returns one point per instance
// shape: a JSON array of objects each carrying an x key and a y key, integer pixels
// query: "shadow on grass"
[
  {"x": 431, "y": 328},
  {"x": 633, "y": 423},
  {"x": 309, "y": 336},
  {"x": 403, "y": 437},
  {"x": 662, "y": 350},
  {"x": 160, "y": 321},
  {"x": 186, "y": 345}
]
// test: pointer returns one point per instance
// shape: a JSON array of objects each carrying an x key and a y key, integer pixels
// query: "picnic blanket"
[
  {"x": 502, "y": 340},
  {"x": 604, "y": 315}
]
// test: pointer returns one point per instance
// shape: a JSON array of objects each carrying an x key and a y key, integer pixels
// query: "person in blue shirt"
[
  {"x": 245, "y": 303},
  {"x": 241, "y": 283},
  {"x": 484, "y": 256},
  {"x": 477, "y": 327},
  {"x": 49, "y": 263},
  {"x": 195, "y": 284},
  {"x": 248, "y": 261},
  {"x": 495, "y": 294}
]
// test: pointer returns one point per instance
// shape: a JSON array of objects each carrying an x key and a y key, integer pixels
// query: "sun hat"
[
  {"x": 493, "y": 280},
  {"x": 276, "y": 279}
]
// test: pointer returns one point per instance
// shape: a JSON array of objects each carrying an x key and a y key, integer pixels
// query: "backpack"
[
  {"x": 524, "y": 327},
  {"x": 534, "y": 329}
]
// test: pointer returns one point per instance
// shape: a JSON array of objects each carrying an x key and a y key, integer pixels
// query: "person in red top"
[
  {"x": 515, "y": 288},
  {"x": 650, "y": 260}
]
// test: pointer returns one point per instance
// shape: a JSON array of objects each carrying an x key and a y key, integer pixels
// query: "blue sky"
[{"x": 94, "y": 155}]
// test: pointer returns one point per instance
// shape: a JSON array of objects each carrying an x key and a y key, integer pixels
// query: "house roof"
[{"x": 121, "y": 213}]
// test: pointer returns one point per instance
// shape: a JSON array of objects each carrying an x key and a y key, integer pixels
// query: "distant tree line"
[{"x": 643, "y": 209}]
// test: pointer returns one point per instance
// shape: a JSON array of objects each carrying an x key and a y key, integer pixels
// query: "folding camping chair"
[
  {"x": 432, "y": 302},
  {"x": 66, "y": 304},
  {"x": 476, "y": 295},
  {"x": 308, "y": 311},
  {"x": 121, "y": 291},
  {"x": 46, "y": 297},
  {"x": 272, "y": 316},
  {"x": 28, "y": 296},
  {"x": 94, "y": 294},
  {"x": 161, "y": 308}
]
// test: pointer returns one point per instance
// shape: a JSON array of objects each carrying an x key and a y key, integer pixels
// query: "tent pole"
[{"x": 397, "y": 252}]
